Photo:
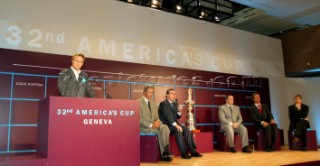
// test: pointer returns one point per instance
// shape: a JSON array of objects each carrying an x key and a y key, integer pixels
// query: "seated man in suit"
[
  {"x": 263, "y": 119},
  {"x": 169, "y": 115},
  {"x": 150, "y": 122},
  {"x": 231, "y": 121},
  {"x": 298, "y": 114}
]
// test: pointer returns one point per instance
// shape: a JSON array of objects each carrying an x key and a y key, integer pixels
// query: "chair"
[
  {"x": 203, "y": 140},
  {"x": 149, "y": 147},
  {"x": 311, "y": 141},
  {"x": 223, "y": 144},
  {"x": 260, "y": 144}
]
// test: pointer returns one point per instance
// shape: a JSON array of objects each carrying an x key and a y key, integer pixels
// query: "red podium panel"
[{"x": 83, "y": 131}]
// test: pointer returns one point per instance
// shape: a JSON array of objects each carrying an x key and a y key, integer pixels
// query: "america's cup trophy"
[{"x": 190, "y": 119}]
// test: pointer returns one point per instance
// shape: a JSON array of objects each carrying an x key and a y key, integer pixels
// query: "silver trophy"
[{"x": 190, "y": 119}]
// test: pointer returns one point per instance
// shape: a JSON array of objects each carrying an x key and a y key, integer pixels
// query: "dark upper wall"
[{"x": 301, "y": 51}]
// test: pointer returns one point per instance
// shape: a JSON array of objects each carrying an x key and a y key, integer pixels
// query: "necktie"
[
  {"x": 171, "y": 104},
  {"x": 149, "y": 105},
  {"x": 260, "y": 109},
  {"x": 231, "y": 114}
]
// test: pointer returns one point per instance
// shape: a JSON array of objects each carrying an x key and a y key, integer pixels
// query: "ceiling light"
[
  {"x": 156, "y": 3},
  {"x": 203, "y": 14},
  {"x": 216, "y": 18},
  {"x": 178, "y": 9}
]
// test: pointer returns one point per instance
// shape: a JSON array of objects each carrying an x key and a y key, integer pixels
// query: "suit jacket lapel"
[
  {"x": 171, "y": 109},
  {"x": 264, "y": 112},
  {"x": 145, "y": 108},
  {"x": 258, "y": 111},
  {"x": 81, "y": 76},
  {"x": 228, "y": 111},
  {"x": 73, "y": 77}
]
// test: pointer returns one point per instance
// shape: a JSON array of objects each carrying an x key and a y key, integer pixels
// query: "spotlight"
[
  {"x": 156, "y": 3},
  {"x": 216, "y": 18},
  {"x": 203, "y": 14},
  {"x": 130, "y": 1},
  {"x": 178, "y": 9}
]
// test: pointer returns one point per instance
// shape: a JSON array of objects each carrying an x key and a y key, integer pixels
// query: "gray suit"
[
  {"x": 147, "y": 117},
  {"x": 233, "y": 115}
]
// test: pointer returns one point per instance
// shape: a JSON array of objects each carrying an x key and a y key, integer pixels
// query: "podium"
[{"x": 83, "y": 131}]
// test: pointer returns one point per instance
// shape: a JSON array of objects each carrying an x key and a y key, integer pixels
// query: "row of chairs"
[{"x": 149, "y": 149}]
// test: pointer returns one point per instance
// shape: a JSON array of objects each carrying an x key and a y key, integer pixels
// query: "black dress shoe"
[
  {"x": 185, "y": 156},
  {"x": 167, "y": 154},
  {"x": 196, "y": 154},
  {"x": 166, "y": 159},
  {"x": 268, "y": 148},
  {"x": 246, "y": 150},
  {"x": 232, "y": 150},
  {"x": 271, "y": 147}
]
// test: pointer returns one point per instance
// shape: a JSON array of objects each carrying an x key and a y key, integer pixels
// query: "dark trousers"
[
  {"x": 183, "y": 138},
  {"x": 270, "y": 134},
  {"x": 301, "y": 131}
]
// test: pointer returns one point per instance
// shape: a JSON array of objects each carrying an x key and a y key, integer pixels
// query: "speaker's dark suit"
[
  {"x": 168, "y": 114},
  {"x": 298, "y": 123},
  {"x": 270, "y": 131},
  {"x": 69, "y": 86}
]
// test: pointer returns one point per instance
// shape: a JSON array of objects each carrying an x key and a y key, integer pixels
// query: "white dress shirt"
[{"x": 76, "y": 73}]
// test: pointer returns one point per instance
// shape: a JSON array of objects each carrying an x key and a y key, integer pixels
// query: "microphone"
[
  {"x": 104, "y": 89},
  {"x": 178, "y": 106}
]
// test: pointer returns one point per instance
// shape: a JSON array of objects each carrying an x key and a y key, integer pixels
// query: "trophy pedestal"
[{"x": 196, "y": 131}]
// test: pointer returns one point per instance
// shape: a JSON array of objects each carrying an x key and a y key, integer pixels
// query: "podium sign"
[{"x": 83, "y": 131}]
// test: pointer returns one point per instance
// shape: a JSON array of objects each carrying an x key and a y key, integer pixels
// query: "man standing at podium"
[
  {"x": 150, "y": 122},
  {"x": 73, "y": 82},
  {"x": 263, "y": 119},
  {"x": 231, "y": 121},
  {"x": 169, "y": 115}
]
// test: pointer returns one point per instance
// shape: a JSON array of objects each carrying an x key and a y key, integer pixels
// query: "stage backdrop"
[
  {"x": 27, "y": 77},
  {"x": 115, "y": 30}
]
